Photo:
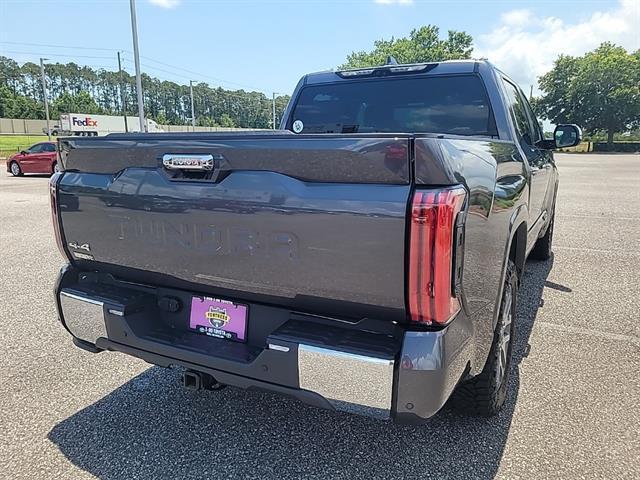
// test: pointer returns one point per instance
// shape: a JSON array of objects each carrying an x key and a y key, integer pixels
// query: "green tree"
[
  {"x": 14, "y": 105},
  {"x": 599, "y": 91},
  {"x": 161, "y": 119},
  {"x": 79, "y": 102},
  {"x": 226, "y": 121},
  {"x": 74, "y": 88},
  {"x": 206, "y": 122},
  {"x": 422, "y": 45},
  {"x": 10, "y": 73}
]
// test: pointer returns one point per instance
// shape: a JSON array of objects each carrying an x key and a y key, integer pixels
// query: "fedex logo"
[{"x": 87, "y": 122}]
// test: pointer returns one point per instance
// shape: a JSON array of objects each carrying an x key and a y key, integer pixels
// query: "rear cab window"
[{"x": 448, "y": 104}]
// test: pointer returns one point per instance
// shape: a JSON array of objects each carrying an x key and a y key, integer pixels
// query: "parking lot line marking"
[
  {"x": 593, "y": 333},
  {"x": 624, "y": 253},
  {"x": 599, "y": 217}
]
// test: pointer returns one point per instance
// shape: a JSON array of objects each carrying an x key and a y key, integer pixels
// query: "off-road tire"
[{"x": 485, "y": 394}]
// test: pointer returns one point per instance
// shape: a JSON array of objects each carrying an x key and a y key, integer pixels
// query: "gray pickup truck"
[{"x": 364, "y": 258}]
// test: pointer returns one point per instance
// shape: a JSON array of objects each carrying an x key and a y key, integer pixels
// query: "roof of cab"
[{"x": 436, "y": 68}]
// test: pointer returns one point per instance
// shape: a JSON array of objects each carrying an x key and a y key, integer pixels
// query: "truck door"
[
  {"x": 544, "y": 161},
  {"x": 537, "y": 159}
]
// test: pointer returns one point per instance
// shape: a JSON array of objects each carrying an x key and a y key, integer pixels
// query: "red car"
[{"x": 39, "y": 158}]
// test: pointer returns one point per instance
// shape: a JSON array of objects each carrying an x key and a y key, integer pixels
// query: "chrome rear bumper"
[
  {"x": 83, "y": 316},
  {"x": 332, "y": 367},
  {"x": 349, "y": 382}
]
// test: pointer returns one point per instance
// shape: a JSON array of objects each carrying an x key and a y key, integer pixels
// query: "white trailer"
[{"x": 86, "y": 124}]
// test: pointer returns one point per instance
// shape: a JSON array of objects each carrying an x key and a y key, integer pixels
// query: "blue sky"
[{"x": 268, "y": 45}]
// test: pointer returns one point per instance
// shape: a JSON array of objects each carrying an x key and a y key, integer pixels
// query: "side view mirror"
[
  {"x": 568, "y": 135},
  {"x": 23, "y": 152}
]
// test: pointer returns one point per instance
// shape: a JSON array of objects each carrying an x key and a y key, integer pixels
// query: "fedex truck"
[{"x": 86, "y": 124}]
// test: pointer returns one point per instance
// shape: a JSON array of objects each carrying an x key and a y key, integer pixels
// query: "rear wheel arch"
[
  {"x": 485, "y": 393},
  {"x": 515, "y": 250},
  {"x": 514, "y": 253}
]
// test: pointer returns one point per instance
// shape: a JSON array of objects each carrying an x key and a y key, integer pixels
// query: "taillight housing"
[
  {"x": 53, "y": 201},
  {"x": 435, "y": 251}
]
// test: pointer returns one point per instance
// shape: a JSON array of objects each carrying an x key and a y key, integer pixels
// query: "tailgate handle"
[{"x": 188, "y": 162}]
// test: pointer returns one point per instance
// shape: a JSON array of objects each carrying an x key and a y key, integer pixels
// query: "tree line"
[
  {"x": 77, "y": 88},
  {"x": 600, "y": 91}
]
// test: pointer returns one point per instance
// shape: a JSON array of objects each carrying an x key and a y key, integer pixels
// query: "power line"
[
  {"x": 202, "y": 75},
  {"x": 189, "y": 78},
  {"x": 160, "y": 69},
  {"x": 91, "y": 65},
  {"x": 55, "y": 54},
  {"x": 48, "y": 45},
  {"x": 175, "y": 67},
  {"x": 225, "y": 92}
]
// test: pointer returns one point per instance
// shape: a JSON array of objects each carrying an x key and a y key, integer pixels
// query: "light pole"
[
  {"x": 44, "y": 95},
  {"x": 193, "y": 115},
  {"x": 123, "y": 95},
  {"x": 136, "y": 55},
  {"x": 273, "y": 110}
]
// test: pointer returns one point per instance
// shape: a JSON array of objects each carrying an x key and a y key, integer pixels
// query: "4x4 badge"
[{"x": 76, "y": 246}]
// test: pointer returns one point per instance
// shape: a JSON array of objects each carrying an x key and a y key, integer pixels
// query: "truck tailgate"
[{"x": 315, "y": 223}]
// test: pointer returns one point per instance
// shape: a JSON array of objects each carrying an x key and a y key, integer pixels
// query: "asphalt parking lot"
[{"x": 572, "y": 410}]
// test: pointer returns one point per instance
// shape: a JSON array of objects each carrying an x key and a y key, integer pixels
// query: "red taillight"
[
  {"x": 53, "y": 200},
  {"x": 431, "y": 255}
]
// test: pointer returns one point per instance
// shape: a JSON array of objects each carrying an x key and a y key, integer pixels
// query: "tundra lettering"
[{"x": 213, "y": 239}]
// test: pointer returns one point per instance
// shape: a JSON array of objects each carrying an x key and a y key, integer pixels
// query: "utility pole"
[
  {"x": 44, "y": 95},
  {"x": 193, "y": 115},
  {"x": 136, "y": 55},
  {"x": 123, "y": 95},
  {"x": 273, "y": 104},
  {"x": 531, "y": 93}
]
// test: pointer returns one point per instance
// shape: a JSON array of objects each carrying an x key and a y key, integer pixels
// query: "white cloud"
[
  {"x": 524, "y": 45},
  {"x": 393, "y": 2},
  {"x": 516, "y": 18},
  {"x": 165, "y": 3}
]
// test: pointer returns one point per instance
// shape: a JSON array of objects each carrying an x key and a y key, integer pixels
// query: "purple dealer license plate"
[{"x": 219, "y": 318}]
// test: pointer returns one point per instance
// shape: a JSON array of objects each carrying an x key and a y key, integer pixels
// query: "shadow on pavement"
[
  {"x": 30, "y": 175},
  {"x": 153, "y": 428}
]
